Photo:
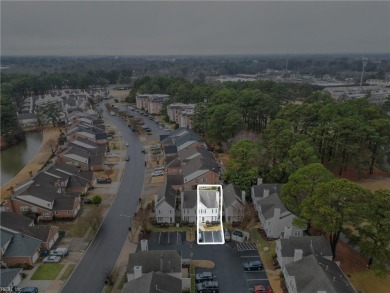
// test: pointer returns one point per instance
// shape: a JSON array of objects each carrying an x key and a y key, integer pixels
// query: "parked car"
[
  {"x": 200, "y": 237},
  {"x": 87, "y": 201},
  {"x": 127, "y": 158},
  {"x": 60, "y": 251},
  {"x": 28, "y": 290},
  {"x": 104, "y": 180},
  {"x": 253, "y": 266},
  {"x": 157, "y": 173},
  {"x": 208, "y": 286},
  {"x": 158, "y": 168},
  {"x": 227, "y": 235},
  {"x": 52, "y": 258},
  {"x": 127, "y": 144},
  {"x": 205, "y": 276},
  {"x": 262, "y": 289}
]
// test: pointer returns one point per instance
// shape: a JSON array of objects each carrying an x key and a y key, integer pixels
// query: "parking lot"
[
  {"x": 211, "y": 236},
  {"x": 228, "y": 260},
  {"x": 169, "y": 237}
]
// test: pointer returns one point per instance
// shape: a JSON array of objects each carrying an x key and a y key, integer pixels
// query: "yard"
[
  {"x": 68, "y": 272},
  {"x": 48, "y": 271}
]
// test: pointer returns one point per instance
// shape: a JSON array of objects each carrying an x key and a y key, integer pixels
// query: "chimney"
[
  {"x": 265, "y": 193},
  {"x": 298, "y": 254},
  {"x": 30, "y": 173},
  {"x": 243, "y": 194},
  {"x": 137, "y": 272},
  {"x": 144, "y": 245},
  {"x": 161, "y": 264},
  {"x": 259, "y": 181}
]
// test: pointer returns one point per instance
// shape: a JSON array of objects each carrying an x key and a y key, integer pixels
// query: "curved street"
[{"x": 105, "y": 248}]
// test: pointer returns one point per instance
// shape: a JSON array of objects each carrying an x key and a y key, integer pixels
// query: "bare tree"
[
  {"x": 141, "y": 218},
  {"x": 244, "y": 213},
  {"x": 110, "y": 276},
  {"x": 95, "y": 217}
]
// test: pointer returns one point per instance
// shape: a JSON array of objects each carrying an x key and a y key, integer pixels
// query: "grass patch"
[
  {"x": 79, "y": 228},
  {"x": 122, "y": 282},
  {"x": 366, "y": 281},
  {"x": 107, "y": 289},
  {"x": 266, "y": 257},
  {"x": 170, "y": 229},
  {"x": 47, "y": 271},
  {"x": 67, "y": 272}
]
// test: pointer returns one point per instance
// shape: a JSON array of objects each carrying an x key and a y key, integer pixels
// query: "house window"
[
  {"x": 48, "y": 214},
  {"x": 159, "y": 211},
  {"x": 297, "y": 233},
  {"x": 160, "y": 219},
  {"x": 24, "y": 208},
  {"x": 34, "y": 209},
  {"x": 68, "y": 212},
  {"x": 56, "y": 213},
  {"x": 170, "y": 211}
]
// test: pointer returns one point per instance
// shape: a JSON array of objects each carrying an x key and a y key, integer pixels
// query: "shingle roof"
[
  {"x": 175, "y": 162},
  {"x": 153, "y": 282},
  {"x": 169, "y": 195},
  {"x": 40, "y": 232},
  {"x": 7, "y": 276},
  {"x": 64, "y": 203},
  {"x": 5, "y": 236},
  {"x": 165, "y": 261},
  {"x": 209, "y": 198},
  {"x": 230, "y": 194},
  {"x": 309, "y": 244},
  {"x": 269, "y": 204},
  {"x": 14, "y": 221},
  {"x": 317, "y": 274},
  {"x": 176, "y": 179},
  {"x": 190, "y": 199},
  {"x": 22, "y": 245},
  {"x": 171, "y": 149}
]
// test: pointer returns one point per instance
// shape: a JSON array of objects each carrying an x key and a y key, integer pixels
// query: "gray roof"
[
  {"x": 259, "y": 189},
  {"x": 173, "y": 162},
  {"x": 209, "y": 198},
  {"x": 169, "y": 195},
  {"x": 5, "y": 236},
  {"x": 190, "y": 199},
  {"x": 272, "y": 201},
  {"x": 315, "y": 273},
  {"x": 22, "y": 245},
  {"x": 176, "y": 179},
  {"x": 170, "y": 149},
  {"x": 7, "y": 276},
  {"x": 64, "y": 203},
  {"x": 309, "y": 244},
  {"x": 40, "y": 232},
  {"x": 153, "y": 282},
  {"x": 230, "y": 194},
  {"x": 165, "y": 261},
  {"x": 14, "y": 221}
]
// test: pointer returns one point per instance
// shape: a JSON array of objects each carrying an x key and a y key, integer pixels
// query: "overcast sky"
[{"x": 193, "y": 28}]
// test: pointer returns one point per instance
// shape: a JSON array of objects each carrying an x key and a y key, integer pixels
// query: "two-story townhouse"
[
  {"x": 188, "y": 206},
  {"x": 275, "y": 218},
  {"x": 315, "y": 273},
  {"x": 164, "y": 261},
  {"x": 208, "y": 206},
  {"x": 294, "y": 248},
  {"x": 233, "y": 203},
  {"x": 175, "y": 181},
  {"x": 80, "y": 157},
  {"x": 165, "y": 205}
]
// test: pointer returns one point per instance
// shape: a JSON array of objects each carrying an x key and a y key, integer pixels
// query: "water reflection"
[{"x": 15, "y": 158}]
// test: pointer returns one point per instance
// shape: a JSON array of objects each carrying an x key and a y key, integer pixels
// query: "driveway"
[
  {"x": 228, "y": 269},
  {"x": 170, "y": 237},
  {"x": 212, "y": 236}
]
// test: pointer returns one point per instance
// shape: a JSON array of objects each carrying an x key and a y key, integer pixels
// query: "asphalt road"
[{"x": 103, "y": 252}]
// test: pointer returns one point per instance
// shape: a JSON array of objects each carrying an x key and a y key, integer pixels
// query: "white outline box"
[{"x": 220, "y": 204}]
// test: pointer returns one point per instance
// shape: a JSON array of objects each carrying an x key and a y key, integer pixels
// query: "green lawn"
[
  {"x": 47, "y": 271},
  {"x": 266, "y": 257},
  {"x": 67, "y": 272},
  {"x": 192, "y": 278}
]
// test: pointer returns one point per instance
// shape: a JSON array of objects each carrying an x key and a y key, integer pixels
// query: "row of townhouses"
[
  {"x": 53, "y": 193},
  {"x": 67, "y": 101}
]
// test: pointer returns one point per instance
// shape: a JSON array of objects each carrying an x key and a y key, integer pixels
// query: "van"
[{"x": 60, "y": 251}]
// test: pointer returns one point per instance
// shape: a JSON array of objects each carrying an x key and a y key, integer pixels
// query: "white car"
[
  {"x": 127, "y": 144},
  {"x": 159, "y": 169},
  {"x": 157, "y": 173},
  {"x": 52, "y": 258},
  {"x": 60, "y": 251}
]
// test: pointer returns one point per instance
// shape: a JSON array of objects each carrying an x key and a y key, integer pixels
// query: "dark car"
[
  {"x": 88, "y": 201},
  {"x": 253, "y": 266},
  {"x": 127, "y": 158},
  {"x": 205, "y": 276},
  {"x": 28, "y": 290},
  {"x": 104, "y": 180},
  {"x": 208, "y": 286}
]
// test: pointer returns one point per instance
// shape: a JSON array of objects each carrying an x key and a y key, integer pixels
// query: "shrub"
[{"x": 97, "y": 199}]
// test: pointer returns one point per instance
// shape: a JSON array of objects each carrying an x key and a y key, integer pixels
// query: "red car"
[{"x": 263, "y": 289}]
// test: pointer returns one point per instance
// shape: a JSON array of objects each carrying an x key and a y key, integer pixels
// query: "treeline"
[{"x": 334, "y": 206}]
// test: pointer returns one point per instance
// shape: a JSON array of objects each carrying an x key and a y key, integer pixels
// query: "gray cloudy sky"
[{"x": 193, "y": 28}]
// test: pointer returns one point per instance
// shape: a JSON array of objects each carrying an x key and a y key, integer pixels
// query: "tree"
[
  {"x": 372, "y": 234},
  {"x": 97, "y": 199},
  {"x": 299, "y": 155},
  {"x": 302, "y": 183},
  {"x": 241, "y": 169},
  {"x": 52, "y": 113},
  {"x": 10, "y": 128},
  {"x": 333, "y": 205},
  {"x": 95, "y": 217}
]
